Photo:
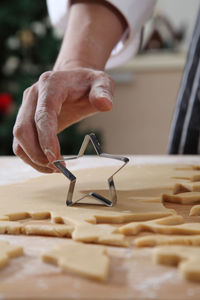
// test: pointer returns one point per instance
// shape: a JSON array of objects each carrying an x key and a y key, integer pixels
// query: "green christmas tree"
[{"x": 29, "y": 46}]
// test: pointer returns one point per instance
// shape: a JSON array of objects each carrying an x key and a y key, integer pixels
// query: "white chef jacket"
[{"x": 135, "y": 12}]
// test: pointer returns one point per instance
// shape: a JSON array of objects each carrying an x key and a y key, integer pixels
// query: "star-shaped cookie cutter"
[{"x": 113, "y": 194}]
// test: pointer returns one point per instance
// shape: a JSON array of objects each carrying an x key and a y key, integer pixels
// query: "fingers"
[
  {"x": 21, "y": 154},
  {"x": 50, "y": 100},
  {"x": 101, "y": 93},
  {"x": 25, "y": 133}
]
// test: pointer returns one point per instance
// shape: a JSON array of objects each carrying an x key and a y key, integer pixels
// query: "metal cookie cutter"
[{"x": 113, "y": 195}]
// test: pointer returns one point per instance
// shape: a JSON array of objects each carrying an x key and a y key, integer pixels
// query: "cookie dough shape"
[
  {"x": 186, "y": 187},
  {"x": 168, "y": 225},
  {"x": 183, "y": 198},
  {"x": 7, "y": 252},
  {"x": 12, "y": 227},
  {"x": 99, "y": 234},
  {"x": 185, "y": 257},
  {"x": 89, "y": 261},
  {"x": 156, "y": 240}
]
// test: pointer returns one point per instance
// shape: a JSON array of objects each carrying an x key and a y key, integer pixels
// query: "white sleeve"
[{"x": 135, "y": 12}]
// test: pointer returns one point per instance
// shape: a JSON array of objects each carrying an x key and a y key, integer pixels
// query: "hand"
[{"x": 58, "y": 100}]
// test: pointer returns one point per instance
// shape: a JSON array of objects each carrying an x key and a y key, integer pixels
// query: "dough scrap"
[
  {"x": 100, "y": 234},
  {"x": 186, "y": 257},
  {"x": 168, "y": 225},
  {"x": 12, "y": 227},
  {"x": 85, "y": 260},
  {"x": 156, "y": 240},
  {"x": 7, "y": 227},
  {"x": 184, "y": 198},
  {"x": 57, "y": 230},
  {"x": 195, "y": 210},
  {"x": 186, "y": 187},
  {"x": 7, "y": 252}
]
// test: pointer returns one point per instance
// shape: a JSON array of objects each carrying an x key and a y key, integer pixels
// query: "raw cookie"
[
  {"x": 58, "y": 230},
  {"x": 186, "y": 257},
  {"x": 168, "y": 225},
  {"x": 7, "y": 252},
  {"x": 184, "y": 198},
  {"x": 156, "y": 240},
  {"x": 85, "y": 260}
]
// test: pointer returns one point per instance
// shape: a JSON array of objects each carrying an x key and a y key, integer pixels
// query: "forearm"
[{"x": 93, "y": 29}]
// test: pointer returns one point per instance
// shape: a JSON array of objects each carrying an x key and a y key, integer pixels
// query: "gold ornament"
[{"x": 26, "y": 38}]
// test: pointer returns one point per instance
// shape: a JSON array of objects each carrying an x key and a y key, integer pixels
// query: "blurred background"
[{"x": 146, "y": 86}]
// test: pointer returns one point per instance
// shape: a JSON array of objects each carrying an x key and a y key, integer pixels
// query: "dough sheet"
[
  {"x": 140, "y": 192},
  {"x": 139, "y": 198}
]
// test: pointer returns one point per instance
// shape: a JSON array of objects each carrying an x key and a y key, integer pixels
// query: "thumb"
[{"x": 101, "y": 93}]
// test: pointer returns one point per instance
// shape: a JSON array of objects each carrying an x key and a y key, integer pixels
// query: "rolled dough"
[
  {"x": 139, "y": 194},
  {"x": 139, "y": 189},
  {"x": 7, "y": 252},
  {"x": 186, "y": 257},
  {"x": 85, "y": 260}
]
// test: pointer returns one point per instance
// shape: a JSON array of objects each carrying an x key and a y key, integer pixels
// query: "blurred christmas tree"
[{"x": 29, "y": 46}]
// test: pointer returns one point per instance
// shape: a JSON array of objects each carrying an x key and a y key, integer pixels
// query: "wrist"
[{"x": 66, "y": 64}]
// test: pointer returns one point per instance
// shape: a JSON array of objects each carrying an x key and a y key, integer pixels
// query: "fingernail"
[
  {"x": 106, "y": 95},
  {"x": 50, "y": 155}
]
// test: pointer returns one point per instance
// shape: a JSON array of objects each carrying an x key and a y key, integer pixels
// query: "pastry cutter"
[{"x": 99, "y": 198}]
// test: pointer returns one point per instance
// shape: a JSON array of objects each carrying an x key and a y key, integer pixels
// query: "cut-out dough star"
[
  {"x": 186, "y": 257},
  {"x": 85, "y": 260}
]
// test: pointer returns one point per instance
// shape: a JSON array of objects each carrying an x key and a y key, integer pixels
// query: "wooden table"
[{"x": 133, "y": 274}]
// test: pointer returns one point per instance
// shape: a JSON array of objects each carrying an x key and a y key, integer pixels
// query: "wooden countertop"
[{"x": 133, "y": 275}]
